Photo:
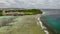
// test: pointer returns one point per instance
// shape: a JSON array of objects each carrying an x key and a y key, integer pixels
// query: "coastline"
[{"x": 42, "y": 26}]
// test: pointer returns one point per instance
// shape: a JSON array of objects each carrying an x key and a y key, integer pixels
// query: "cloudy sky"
[{"x": 42, "y": 4}]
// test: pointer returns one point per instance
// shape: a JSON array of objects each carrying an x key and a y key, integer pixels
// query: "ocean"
[{"x": 51, "y": 19}]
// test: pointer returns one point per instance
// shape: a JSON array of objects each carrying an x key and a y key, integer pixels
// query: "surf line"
[{"x": 42, "y": 26}]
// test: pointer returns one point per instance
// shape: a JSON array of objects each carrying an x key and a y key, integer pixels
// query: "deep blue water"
[{"x": 52, "y": 19}]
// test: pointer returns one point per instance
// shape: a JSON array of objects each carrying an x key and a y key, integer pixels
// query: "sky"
[{"x": 41, "y": 4}]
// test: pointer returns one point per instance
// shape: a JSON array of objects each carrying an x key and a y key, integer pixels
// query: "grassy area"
[
  {"x": 33, "y": 11},
  {"x": 23, "y": 25}
]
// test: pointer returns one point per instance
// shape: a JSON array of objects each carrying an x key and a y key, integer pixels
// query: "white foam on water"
[{"x": 42, "y": 26}]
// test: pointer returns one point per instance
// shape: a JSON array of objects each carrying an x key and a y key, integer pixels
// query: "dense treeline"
[
  {"x": 0, "y": 12},
  {"x": 26, "y": 11},
  {"x": 33, "y": 11}
]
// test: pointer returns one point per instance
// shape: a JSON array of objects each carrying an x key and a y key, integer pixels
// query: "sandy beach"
[{"x": 23, "y": 25}]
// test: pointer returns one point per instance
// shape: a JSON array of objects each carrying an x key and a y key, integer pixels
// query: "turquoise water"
[{"x": 52, "y": 21}]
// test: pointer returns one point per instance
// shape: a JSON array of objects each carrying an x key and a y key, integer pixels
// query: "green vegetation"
[
  {"x": 33, "y": 11},
  {"x": 0, "y": 12},
  {"x": 25, "y": 11}
]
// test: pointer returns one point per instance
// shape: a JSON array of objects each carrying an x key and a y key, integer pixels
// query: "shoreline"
[{"x": 42, "y": 26}]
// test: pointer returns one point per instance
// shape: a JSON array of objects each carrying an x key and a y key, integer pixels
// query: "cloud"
[{"x": 42, "y": 4}]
